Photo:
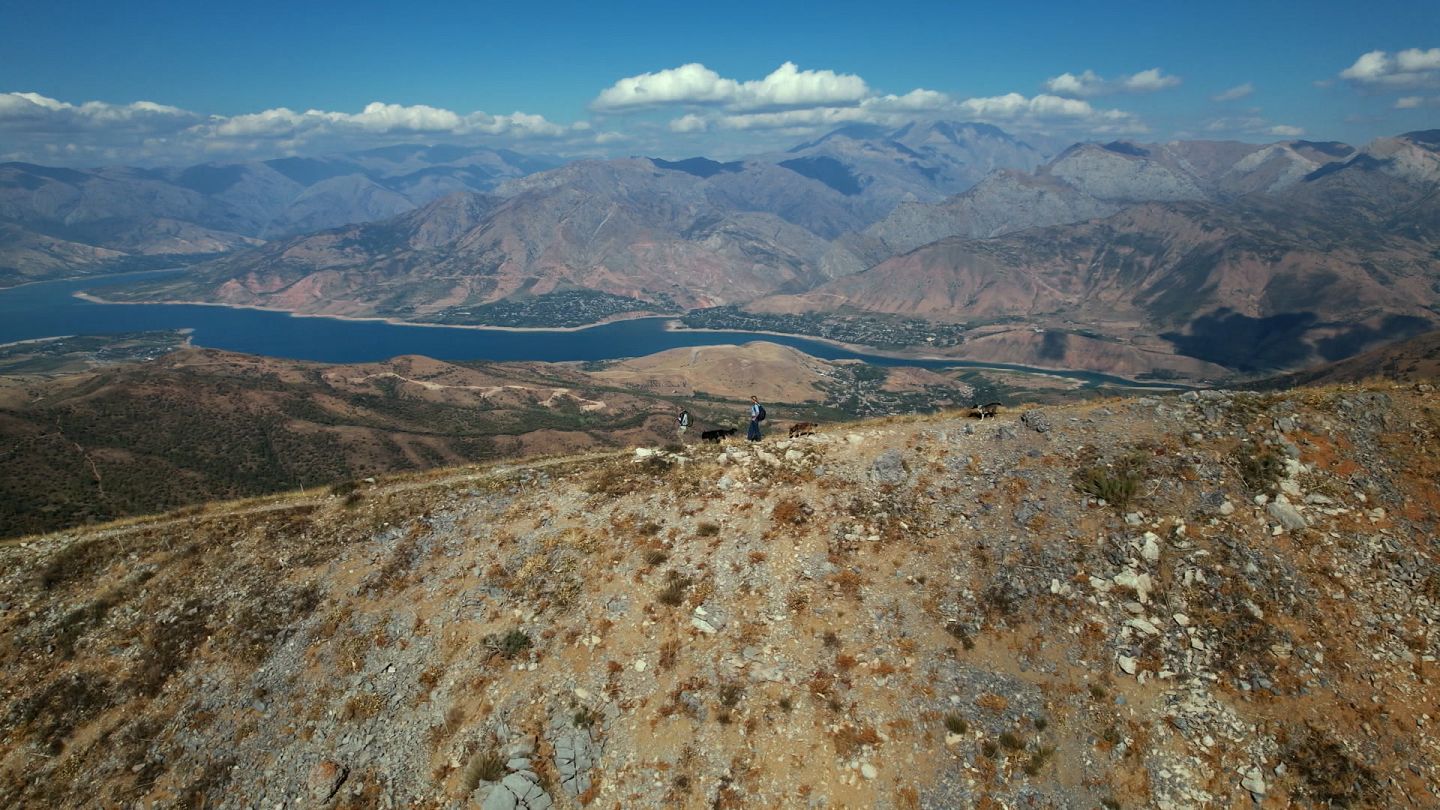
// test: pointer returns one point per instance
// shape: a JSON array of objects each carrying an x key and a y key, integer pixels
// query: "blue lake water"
[{"x": 50, "y": 309}]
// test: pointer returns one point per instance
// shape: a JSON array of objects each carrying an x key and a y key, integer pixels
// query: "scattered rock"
[
  {"x": 517, "y": 791},
  {"x": 1151, "y": 550},
  {"x": 1036, "y": 421},
  {"x": 889, "y": 468},
  {"x": 1141, "y": 584},
  {"x": 1286, "y": 515},
  {"x": 1254, "y": 782},
  {"x": 1144, "y": 626},
  {"x": 325, "y": 780}
]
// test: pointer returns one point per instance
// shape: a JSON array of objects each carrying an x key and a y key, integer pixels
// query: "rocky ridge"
[{"x": 1198, "y": 600}]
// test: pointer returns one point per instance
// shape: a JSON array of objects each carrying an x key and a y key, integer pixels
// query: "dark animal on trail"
[
  {"x": 716, "y": 435},
  {"x": 803, "y": 429},
  {"x": 982, "y": 411}
]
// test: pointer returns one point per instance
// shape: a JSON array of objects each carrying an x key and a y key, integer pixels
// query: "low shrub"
[
  {"x": 510, "y": 644},
  {"x": 485, "y": 766},
  {"x": 1329, "y": 775},
  {"x": 1261, "y": 468}
]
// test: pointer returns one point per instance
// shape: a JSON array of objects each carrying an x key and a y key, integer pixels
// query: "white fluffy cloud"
[
  {"x": 1051, "y": 111},
  {"x": 1089, "y": 83},
  {"x": 791, "y": 99},
  {"x": 382, "y": 119},
  {"x": 688, "y": 123},
  {"x": 1252, "y": 125},
  {"x": 1042, "y": 112},
  {"x": 1148, "y": 81},
  {"x": 38, "y": 127},
  {"x": 688, "y": 84},
  {"x": 1414, "y": 67},
  {"x": 32, "y": 112},
  {"x": 1235, "y": 93},
  {"x": 1416, "y": 102},
  {"x": 695, "y": 84}
]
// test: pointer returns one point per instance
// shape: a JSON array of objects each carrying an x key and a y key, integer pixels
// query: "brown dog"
[{"x": 803, "y": 429}]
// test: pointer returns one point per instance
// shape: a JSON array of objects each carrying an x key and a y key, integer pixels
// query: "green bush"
[
  {"x": 1117, "y": 483},
  {"x": 1260, "y": 468}
]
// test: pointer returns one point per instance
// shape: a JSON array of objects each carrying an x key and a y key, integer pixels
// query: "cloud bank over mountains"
[
  {"x": 689, "y": 107},
  {"x": 36, "y": 127},
  {"x": 796, "y": 100}
]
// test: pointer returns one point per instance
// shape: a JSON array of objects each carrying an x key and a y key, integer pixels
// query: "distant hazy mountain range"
[
  {"x": 1251, "y": 257},
  {"x": 52, "y": 215},
  {"x": 1237, "y": 256}
]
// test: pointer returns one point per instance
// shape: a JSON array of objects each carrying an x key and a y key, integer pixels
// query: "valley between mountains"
[
  {"x": 1195, "y": 260},
  {"x": 229, "y": 580}
]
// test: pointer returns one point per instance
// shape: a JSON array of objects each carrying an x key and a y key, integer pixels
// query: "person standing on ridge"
[
  {"x": 757, "y": 415},
  {"x": 682, "y": 423}
]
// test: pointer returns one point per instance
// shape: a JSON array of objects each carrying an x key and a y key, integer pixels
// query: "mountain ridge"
[{"x": 928, "y": 611}]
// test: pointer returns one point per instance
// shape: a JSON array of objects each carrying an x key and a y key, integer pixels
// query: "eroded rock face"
[{"x": 576, "y": 753}]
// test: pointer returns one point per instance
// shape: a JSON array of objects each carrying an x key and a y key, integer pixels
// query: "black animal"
[
  {"x": 716, "y": 435},
  {"x": 982, "y": 411}
]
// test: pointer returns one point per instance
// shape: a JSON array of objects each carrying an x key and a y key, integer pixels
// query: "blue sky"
[{"x": 266, "y": 78}]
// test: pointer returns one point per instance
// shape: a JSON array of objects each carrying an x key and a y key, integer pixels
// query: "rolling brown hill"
[
  {"x": 198, "y": 425},
  {"x": 1246, "y": 288},
  {"x": 29, "y": 256},
  {"x": 1414, "y": 360}
]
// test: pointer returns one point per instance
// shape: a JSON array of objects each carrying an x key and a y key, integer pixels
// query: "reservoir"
[{"x": 50, "y": 309}]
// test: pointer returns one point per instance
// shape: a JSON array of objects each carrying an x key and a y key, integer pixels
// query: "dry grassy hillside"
[
  {"x": 773, "y": 372},
  {"x": 1193, "y": 601},
  {"x": 197, "y": 425},
  {"x": 1413, "y": 360}
]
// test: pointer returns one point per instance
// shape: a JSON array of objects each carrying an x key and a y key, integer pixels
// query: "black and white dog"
[{"x": 982, "y": 411}]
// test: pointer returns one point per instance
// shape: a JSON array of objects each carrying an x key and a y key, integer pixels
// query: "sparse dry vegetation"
[{"x": 976, "y": 619}]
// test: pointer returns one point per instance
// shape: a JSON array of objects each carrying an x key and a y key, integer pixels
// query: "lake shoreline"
[
  {"x": 956, "y": 362},
  {"x": 94, "y": 299},
  {"x": 74, "y": 307},
  {"x": 670, "y": 325}
]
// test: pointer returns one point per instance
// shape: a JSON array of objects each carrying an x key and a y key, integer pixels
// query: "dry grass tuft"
[
  {"x": 1329, "y": 775},
  {"x": 485, "y": 766}
]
